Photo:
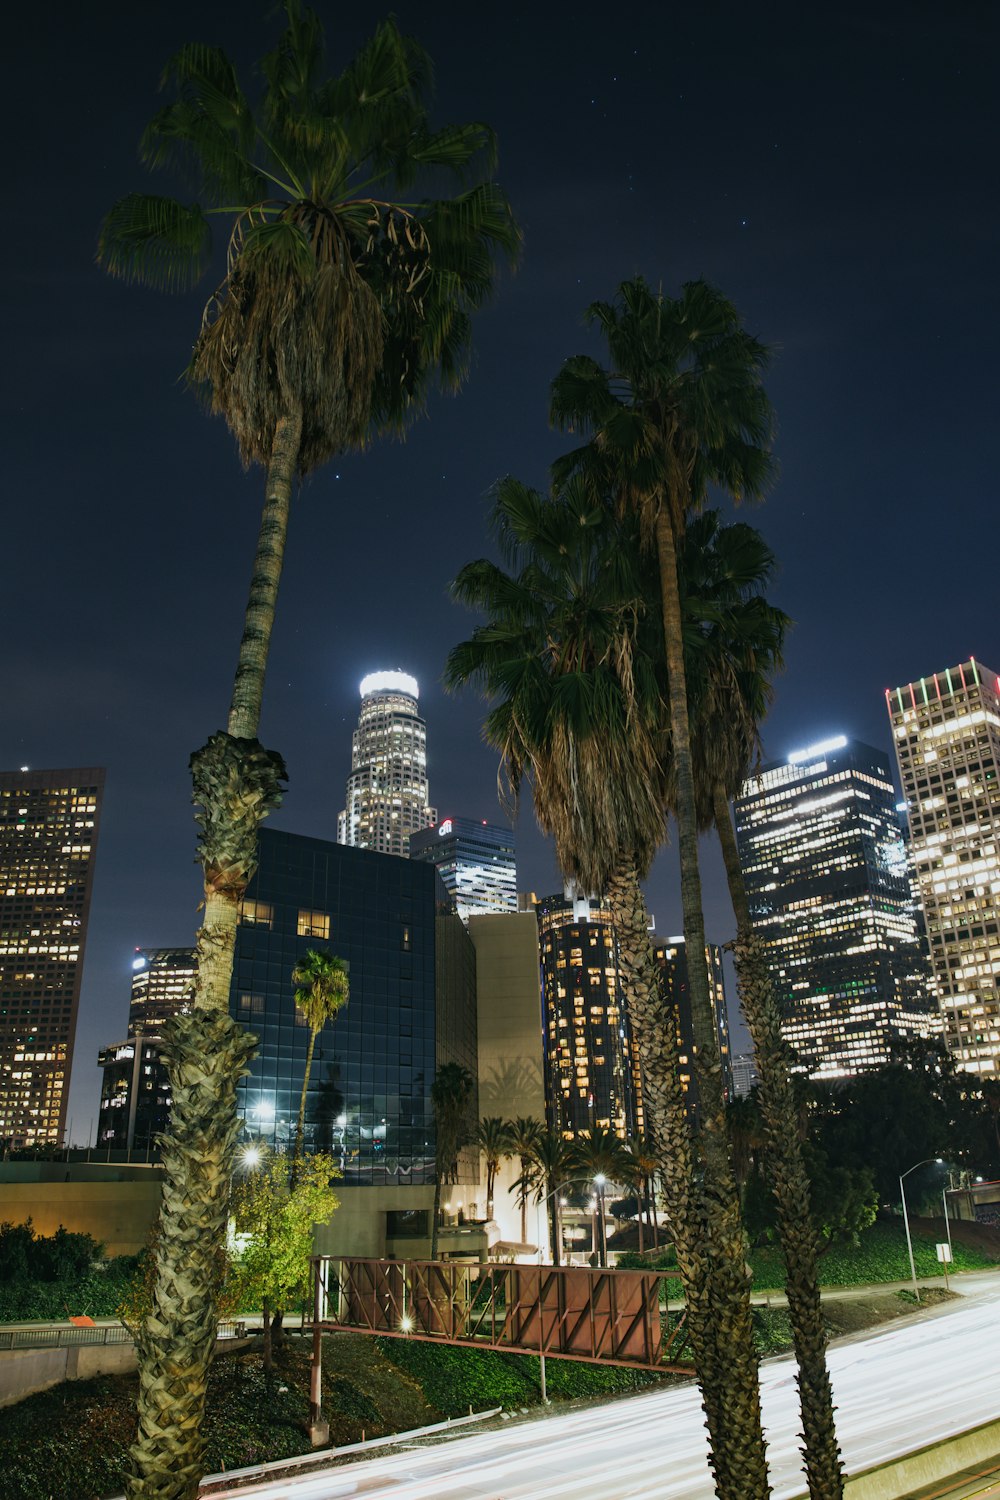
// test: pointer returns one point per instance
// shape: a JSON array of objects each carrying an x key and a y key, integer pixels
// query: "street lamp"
[
  {"x": 599, "y": 1181},
  {"x": 906, "y": 1217}
]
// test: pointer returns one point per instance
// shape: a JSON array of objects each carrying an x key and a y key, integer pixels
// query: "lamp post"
[
  {"x": 906, "y": 1218},
  {"x": 599, "y": 1181}
]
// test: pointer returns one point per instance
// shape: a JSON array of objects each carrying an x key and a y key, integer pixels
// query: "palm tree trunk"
[
  {"x": 435, "y": 1215},
  {"x": 656, "y": 1225},
  {"x": 524, "y": 1199},
  {"x": 824, "y": 1468},
  {"x": 491, "y": 1183},
  {"x": 556, "y": 1229},
  {"x": 730, "y": 1276},
  {"x": 666, "y": 1112},
  {"x": 300, "y": 1127},
  {"x": 236, "y": 782},
  {"x": 641, "y": 1207}
]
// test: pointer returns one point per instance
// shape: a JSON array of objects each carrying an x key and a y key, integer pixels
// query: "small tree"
[
  {"x": 493, "y": 1140},
  {"x": 277, "y": 1218},
  {"x": 322, "y": 989},
  {"x": 451, "y": 1095}
]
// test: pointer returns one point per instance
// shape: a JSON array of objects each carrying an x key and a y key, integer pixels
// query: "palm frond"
[{"x": 157, "y": 241}]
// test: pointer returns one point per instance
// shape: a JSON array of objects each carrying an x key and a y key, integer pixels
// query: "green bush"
[
  {"x": 97, "y": 1295},
  {"x": 772, "y": 1330},
  {"x": 27, "y": 1256},
  {"x": 342, "y": 1395}
]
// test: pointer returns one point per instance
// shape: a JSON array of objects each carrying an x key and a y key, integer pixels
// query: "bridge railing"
[{"x": 573, "y": 1312}]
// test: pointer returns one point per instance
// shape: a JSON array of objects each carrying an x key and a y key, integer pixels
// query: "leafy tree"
[
  {"x": 680, "y": 408},
  {"x": 452, "y": 1096},
  {"x": 347, "y": 293},
  {"x": 277, "y": 1217},
  {"x": 493, "y": 1141},
  {"x": 322, "y": 989}
]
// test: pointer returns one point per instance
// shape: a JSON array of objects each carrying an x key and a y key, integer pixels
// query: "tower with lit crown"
[{"x": 387, "y": 794}]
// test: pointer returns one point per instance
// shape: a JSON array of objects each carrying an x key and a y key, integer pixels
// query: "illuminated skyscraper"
[
  {"x": 823, "y": 856},
  {"x": 671, "y": 956},
  {"x": 591, "y": 1065},
  {"x": 48, "y": 832},
  {"x": 475, "y": 860},
  {"x": 947, "y": 734},
  {"x": 387, "y": 788},
  {"x": 135, "y": 1092}
]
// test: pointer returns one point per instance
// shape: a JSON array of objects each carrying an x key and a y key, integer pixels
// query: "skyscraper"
[
  {"x": 475, "y": 860},
  {"x": 671, "y": 958},
  {"x": 48, "y": 832},
  {"x": 135, "y": 1091},
  {"x": 591, "y": 1064},
  {"x": 387, "y": 794},
  {"x": 946, "y": 729},
  {"x": 822, "y": 853}
]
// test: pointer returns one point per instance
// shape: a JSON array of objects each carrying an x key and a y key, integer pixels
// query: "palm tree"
[
  {"x": 682, "y": 408},
  {"x": 524, "y": 1134},
  {"x": 494, "y": 1142},
  {"x": 734, "y": 650},
  {"x": 577, "y": 709},
  {"x": 643, "y": 1166},
  {"x": 552, "y": 1163},
  {"x": 345, "y": 295},
  {"x": 600, "y": 1158},
  {"x": 322, "y": 989},
  {"x": 452, "y": 1093}
]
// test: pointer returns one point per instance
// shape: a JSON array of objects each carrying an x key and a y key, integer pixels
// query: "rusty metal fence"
[{"x": 570, "y": 1312}]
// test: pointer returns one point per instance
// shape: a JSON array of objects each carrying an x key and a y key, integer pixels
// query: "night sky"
[{"x": 832, "y": 167}]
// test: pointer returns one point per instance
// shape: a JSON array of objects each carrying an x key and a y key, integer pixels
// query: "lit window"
[
  {"x": 314, "y": 924},
  {"x": 257, "y": 913}
]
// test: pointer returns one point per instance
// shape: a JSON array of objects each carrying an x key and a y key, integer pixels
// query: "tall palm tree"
[
  {"x": 322, "y": 989},
  {"x": 577, "y": 709},
  {"x": 643, "y": 1166},
  {"x": 345, "y": 295},
  {"x": 524, "y": 1135},
  {"x": 452, "y": 1093},
  {"x": 553, "y": 1166},
  {"x": 681, "y": 408},
  {"x": 493, "y": 1140},
  {"x": 600, "y": 1159},
  {"x": 734, "y": 649}
]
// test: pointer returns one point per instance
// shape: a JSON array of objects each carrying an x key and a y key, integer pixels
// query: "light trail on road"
[{"x": 895, "y": 1391}]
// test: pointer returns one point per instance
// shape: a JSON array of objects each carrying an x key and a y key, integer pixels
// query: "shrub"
[{"x": 453, "y": 1379}]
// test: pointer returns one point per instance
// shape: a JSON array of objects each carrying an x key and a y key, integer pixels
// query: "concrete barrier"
[
  {"x": 25, "y": 1372},
  {"x": 943, "y": 1460}
]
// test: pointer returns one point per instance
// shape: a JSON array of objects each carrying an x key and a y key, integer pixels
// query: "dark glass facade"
[
  {"x": 591, "y": 1065},
  {"x": 412, "y": 1004},
  {"x": 671, "y": 959}
]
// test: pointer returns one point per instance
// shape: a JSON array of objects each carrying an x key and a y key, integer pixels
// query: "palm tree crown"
[{"x": 340, "y": 298}]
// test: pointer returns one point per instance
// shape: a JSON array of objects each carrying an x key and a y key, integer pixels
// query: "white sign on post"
[{"x": 944, "y": 1253}]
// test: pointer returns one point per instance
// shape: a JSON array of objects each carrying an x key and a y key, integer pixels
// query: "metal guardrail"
[{"x": 107, "y": 1333}]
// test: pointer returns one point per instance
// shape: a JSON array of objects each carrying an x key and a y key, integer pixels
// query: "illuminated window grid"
[
  {"x": 48, "y": 830},
  {"x": 387, "y": 789},
  {"x": 826, "y": 871},
  {"x": 946, "y": 729}
]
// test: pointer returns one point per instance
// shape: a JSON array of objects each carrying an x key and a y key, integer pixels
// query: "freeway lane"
[{"x": 895, "y": 1390}]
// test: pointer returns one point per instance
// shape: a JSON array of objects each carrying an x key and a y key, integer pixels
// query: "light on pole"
[
  {"x": 599, "y": 1181},
  {"x": 906, "y": 1218}
]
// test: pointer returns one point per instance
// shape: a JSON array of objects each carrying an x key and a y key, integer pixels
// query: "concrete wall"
[
  {"x": 119, "y": 1214},
  {"x": 358, "y": 1226},
  {"x": 23, "y": 1372},
  {"x": 937, "y": 1463},
  {"x": 511, "y": 1080}
]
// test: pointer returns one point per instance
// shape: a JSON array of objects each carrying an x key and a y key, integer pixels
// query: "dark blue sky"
[{"x": 831, "y": 167}]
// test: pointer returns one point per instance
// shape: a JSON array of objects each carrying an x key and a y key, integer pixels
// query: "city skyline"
[{"x": 863, "y": 254}]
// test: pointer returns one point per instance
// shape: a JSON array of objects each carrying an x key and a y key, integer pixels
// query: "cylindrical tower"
[{"x": 387, "y": 797}]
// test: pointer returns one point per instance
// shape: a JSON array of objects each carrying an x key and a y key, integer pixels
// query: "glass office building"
[
  {"x": 475, "y": 860},
  {"x": 412, "y": 1005},
  {"x": 946, "y": 729},
  {"x": 135, "y": 1091},
  {"x": 825, "y": 865},
  {"x": 48, "y": 835}
]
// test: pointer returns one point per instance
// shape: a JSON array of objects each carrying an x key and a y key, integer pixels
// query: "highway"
[{"x": 896, "y": 1390}]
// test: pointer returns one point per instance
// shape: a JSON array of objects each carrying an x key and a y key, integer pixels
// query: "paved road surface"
[{"x": 897, "y": 1389}]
